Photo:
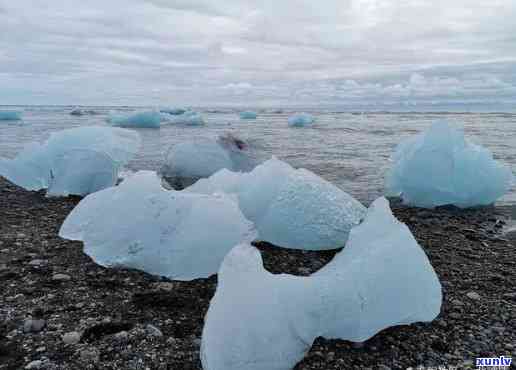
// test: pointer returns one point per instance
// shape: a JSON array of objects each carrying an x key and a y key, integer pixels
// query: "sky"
[{"x": 348, "y": 53}]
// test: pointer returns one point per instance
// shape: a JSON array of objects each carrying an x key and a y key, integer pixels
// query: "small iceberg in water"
[
  {"x": 188, "y": 118},
  {"x": 140, "y": 225},
  {"x": 190, "y": 161},
  {"x": 149, "y": 119},
  {"x": 258, "y": 320},
  {"x": 441, "y": 167},
  {"x": 10, "y": 115},
  {"x": 301, "y": 120},
  {"x": 248, "y": 115},
  {"x": 173, "y": 111},
  {"x": 291, "y": 208},
  {"x": 74, "y": 161}
]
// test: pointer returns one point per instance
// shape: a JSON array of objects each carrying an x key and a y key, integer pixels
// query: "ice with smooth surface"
[
  {"x": 140, "y": 225},
  {"x": 68, "y": 157},
  {"x": 300, "y": 120},
  {"x": 261, "y": 321},
  {"x": 173, "y": 111},
  {"x": 248, "y": 115},
  {"x": 148, "y": 119},
  {"x": 198, "y": 158},
  {"x": 290, "y": 207},
  {"x": 10, "y": 115},
  {"x": 188, "y": 118},
  {"x": 440, "y": 167}
]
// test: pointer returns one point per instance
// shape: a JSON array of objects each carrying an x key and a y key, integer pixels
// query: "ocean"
[{"x": 351, "y": 150}]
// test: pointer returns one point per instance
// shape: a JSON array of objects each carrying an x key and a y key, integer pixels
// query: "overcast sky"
[{"x": 269, "y": 52}]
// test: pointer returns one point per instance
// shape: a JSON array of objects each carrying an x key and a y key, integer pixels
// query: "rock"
[
  {"x": 455, "y": 315},
  {"x": 122, "y": 336},
  {"x": 61, "y": 277},
  {"x": 72, "y": 337},
  {"x": 457, "y": 302},
  {"x": 473, "y": 295},
  {"x": 33, "y": 325},
  {"x": 38, "y": 262},
  {"x": 90, "y": 355},
  {"x": 153, "y": 331},
  {"x": 383, "y": 367},
  {"x": 34, "y": 365},
  {"x": 165, "y": 285},
  {"x": 510, "y": 296}
]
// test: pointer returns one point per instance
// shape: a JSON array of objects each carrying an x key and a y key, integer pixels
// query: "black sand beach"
[{"x": 126, "y": 319}]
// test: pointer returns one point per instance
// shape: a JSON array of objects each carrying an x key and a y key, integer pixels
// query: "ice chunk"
[
  {"x": 10, "y": 115},
  {"x": 290, "y": 208},
  {"x": 192, "y": 160},
  {"x": 81, "y": 172},
  {"x": 173, "y": 111},
  {"x": 440, "y": 167},
  {"x": 140, "y": 225},
  {"x": 248, "y": 115},
  {"x": 149, "y": 119},
  {"x": 37, "y": 165},
  {"x": 300, "y": 120},
  {"x": 258, "y": 320},
  {"x": 82, "y": 112},
  {"x": 189, "y": 118}
]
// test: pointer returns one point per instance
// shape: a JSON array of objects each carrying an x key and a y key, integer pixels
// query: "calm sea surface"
[{"x": 350, "y": 150}]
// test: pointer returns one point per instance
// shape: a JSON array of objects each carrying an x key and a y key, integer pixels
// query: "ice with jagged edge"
[
  {"x": 140, "y": 225},
  {"x": 188, "y": 118},
  {"x": 261, "y": 321},
  {"x": 290, "y": 207},
  {"x": 173, "y": 111},
  {"x": 198, "y": 158},
  {"x": 73, "y": 161},
  {"x": 441, "y": 167},
  {"x": 146, "y": 119},
  {"x": 300, "y": 120},
  {"x": 10, "y": 115},
  {"x": 248, "y": 115}
]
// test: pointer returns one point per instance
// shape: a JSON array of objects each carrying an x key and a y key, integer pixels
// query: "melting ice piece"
[
  {"x": 10, "y": 115},
  {"x": 192, "y": 160},
  {"x": 440, "y": 167},
  {"x": 188, "y": 118},
  {"x": 81, "y": 172},
  {"x": 290, "y": 208},
  {"x": 37, "y": 165},
  {"x": 261, "y": 321},
  {"x": 162, "y": 233},
  {"x": 248, "y": 115},
  {"x": 173, "y": 111},
  {"x": 82, "y": 112},
  {"x": 150, "y": 119},
  {"x": 300, "y": 120}
]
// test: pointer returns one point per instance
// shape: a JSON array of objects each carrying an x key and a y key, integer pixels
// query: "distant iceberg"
[
  {"x": 173, "y": 111},
  {"x": 149, "y": 119},
  {"x": 440, "y": 167},
  {"x": 248, "y": 115},
  {"x": 140, "y": 225},
  {"x": 188, "y": 118},
  {"x": 192, "y": 160},
  {"x": 290, "y": 208},
  {"x": 10, "y": 115},
  {"x": 73, "y": 161},
  {"x": 258, "y": 320},
  {"x": 82, "y": 112},
  {"x": 300, "y": 120}
]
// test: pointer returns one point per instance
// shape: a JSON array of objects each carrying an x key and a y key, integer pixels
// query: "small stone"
[
  {"x": 38, "y": 262},
  {"x": 304, "y": 270},
  {"x": 164, "y": 285},
  {"x": 72, "y": 337},
  {"x": 457, "y": 302},
  {"x": 122, "y": 336},
  {"x": 34, "y": 365},
  {"x": 455, "y": 315},
  {"x": 473, "y": 295},
  {"x": 383, "y": 367},
  {"x": 153, "y": 331},
  {"x": 41, "y": 349},
  {"x": 61, "y": 277},
  {"x": 33, "y": 325},
  {"x": 90, "y": 355}
]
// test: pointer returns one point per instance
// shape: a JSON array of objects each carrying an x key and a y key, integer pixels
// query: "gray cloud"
[{"x": 207, "y": 52}]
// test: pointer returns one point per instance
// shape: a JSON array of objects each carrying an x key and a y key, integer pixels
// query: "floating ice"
[
  {"x": 150, "y": 119},
  {"x": 188, "y": 118},
  {"x": 439, "y": 167},
  {"x": 258, "y": 320},
  {"x": 192, "y": 160},
  {"x": 140, "y": 225},
  {"x": 248, "y": 115},
  {"x": 10, "y": 115},
  {"x": 82, "y": 112},
  {"x": 301, "y": 119},
  {"x": 68, "y": 158},
  {"x": 173, "y": 111},
  {"x": 290, "y": 208}
]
